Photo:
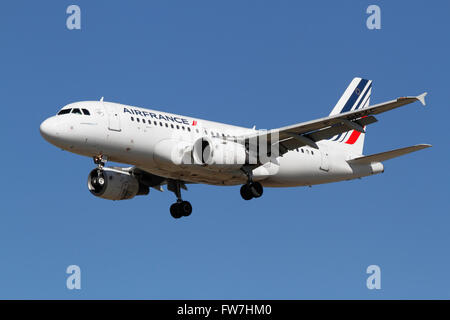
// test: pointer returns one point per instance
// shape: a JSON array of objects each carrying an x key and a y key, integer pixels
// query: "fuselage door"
[
  {"x": 325, "y": 161},
  {"x": 113, "y": 118}
]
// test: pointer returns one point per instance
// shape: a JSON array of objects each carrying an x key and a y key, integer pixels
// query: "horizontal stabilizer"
[{"x": 383, "y": 156}]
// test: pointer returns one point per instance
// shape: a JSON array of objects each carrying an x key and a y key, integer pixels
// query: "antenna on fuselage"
[{"x": 101, "y": 99}]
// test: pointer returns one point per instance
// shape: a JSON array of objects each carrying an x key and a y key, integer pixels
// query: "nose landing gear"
[{"x": 100, "y": 160}]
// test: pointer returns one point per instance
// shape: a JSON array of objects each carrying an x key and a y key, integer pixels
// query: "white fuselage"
[{"x": 145, "y": 138}]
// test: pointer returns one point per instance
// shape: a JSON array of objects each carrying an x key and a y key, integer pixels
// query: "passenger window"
[
  {"x": 64, "y": 111},
  {"x": 137, "y": 119},
  {"x": 303, "y": 151},
  {"x": 143, "y": 120},
  {"x": 171, "y": 126},
  {"x": 167, "y": 125},
  {"x": 86, "y": 112},
  {"x": 161, "y": 124},
  {"x": 196, "y": 130},
  {"x": 156, "y": 123},
  {"x": 178, "y": 127},
  {"x": 189, "y": 129},
  {"x": 182, "y": 127},
  {"x": 76, "y": 111},
  {"x": 132, "y": 119}
]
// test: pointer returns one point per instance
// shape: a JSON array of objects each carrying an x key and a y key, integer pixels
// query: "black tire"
[
  {"x": 185, "y": 208},
  {"x": 246, "y": 193},
  {"x": 256, "y": 189},
  {"x": 175, "y": 211}
]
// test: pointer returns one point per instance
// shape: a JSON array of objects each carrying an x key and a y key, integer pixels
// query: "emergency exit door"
[{"x": 113, "y": 118}]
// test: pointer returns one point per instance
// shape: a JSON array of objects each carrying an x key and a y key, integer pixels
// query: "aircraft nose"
[{"x": 48, "y": 129}]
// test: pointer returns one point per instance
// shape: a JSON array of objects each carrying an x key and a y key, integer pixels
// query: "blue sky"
[{"x": 263, "y": 63}]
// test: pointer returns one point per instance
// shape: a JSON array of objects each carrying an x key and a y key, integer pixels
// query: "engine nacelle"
[
  {"x": 173, "y": 151},
  {"x": 115, "y": 184},
  {"x": 218, "y": 152}
]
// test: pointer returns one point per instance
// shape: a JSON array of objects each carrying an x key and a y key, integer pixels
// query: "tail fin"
[{"x": 356, "y": 96}]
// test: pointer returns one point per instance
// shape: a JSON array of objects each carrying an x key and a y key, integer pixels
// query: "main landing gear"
[
  {"x": 252, "y": 189},
  {"x": 180, "y": 208}
]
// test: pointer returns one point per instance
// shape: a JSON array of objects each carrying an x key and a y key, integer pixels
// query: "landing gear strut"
[
  {"x": 180, "y": 208},
  {"x": 252, "y": 189}
]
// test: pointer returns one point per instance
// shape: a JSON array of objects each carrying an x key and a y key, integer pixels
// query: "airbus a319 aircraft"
[{"x": 175, "y": 150}]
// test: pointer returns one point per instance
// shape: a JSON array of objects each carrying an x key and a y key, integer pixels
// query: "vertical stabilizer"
[{"x": 356, "y": 96}]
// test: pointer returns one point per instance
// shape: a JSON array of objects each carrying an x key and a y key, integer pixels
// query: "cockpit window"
[
  {"x": 76, "y": 110},
  {"x": 86, "y": 112},
  {"x": 64, "y": 111}
]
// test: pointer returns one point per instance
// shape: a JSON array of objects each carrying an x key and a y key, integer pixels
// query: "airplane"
[{"x": 175, "y": 150}]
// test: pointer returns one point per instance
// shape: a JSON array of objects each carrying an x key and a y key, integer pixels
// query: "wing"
[
  {"x": 308, "y": 133},
  {"x": 154, "y": 181}
]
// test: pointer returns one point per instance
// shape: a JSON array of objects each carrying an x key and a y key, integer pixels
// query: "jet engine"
[
  {"x": 218, "y": 152},
  {"x": 115, "y": 184}
]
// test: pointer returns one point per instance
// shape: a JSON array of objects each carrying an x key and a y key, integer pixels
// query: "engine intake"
[{"x": 115, "y": 184}]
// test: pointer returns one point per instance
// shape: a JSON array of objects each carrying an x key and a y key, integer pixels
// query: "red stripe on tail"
[{"x": 353, "y": 137}]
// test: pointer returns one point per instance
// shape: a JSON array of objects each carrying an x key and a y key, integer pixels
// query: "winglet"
[{"x": 421, "y": 98}]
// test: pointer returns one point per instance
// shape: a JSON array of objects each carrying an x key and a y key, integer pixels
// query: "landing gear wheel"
[
  {"x": 256, "y": 189},
  {"x": 175, "y": 211},
  {"x": 251, "y": 190},
  {"x": 246, "y": 193},
  {"x": 185, "y": 208},
  {"x": 181, "y": 209}
]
